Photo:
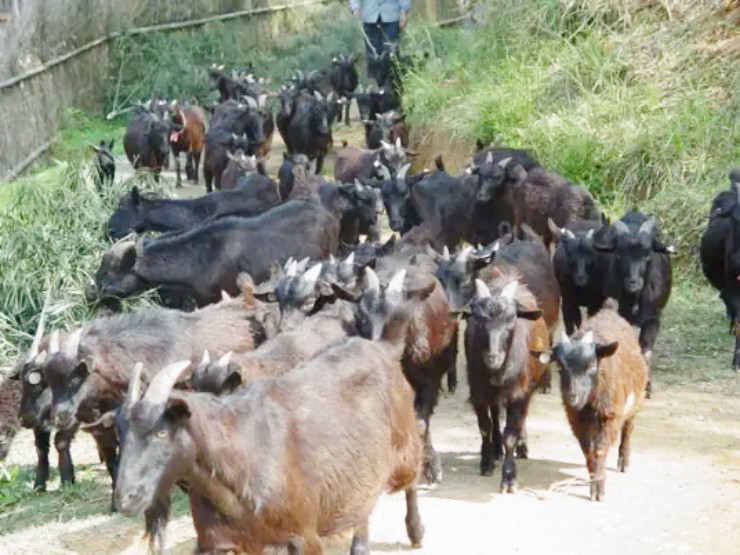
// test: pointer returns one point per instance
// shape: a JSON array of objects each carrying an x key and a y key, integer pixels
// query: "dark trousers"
[{"x": 381, "y": 35}]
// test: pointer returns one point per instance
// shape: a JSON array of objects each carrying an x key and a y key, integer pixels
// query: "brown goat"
[
  {"x": 539, "y": 195},
  {"x": 282, "y": 461},
  {"x": 10, "y": 401},
  {"x": 504, "y": 325},
  {"x": 603, "y": 378},
  {"x": 271, "y": 359},
  {"x": 190, "y": 139}
]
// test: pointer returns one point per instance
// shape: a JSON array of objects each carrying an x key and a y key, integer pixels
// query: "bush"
[
  {"x": 636, "y": 100},
  {"x": 51, "y": 239}
]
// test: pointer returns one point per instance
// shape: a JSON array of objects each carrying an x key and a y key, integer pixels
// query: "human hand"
[
  {"x": 402, "y": 21},
  {"x": 358, "y": 15}
]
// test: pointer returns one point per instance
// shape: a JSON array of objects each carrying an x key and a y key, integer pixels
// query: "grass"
[
  {"x": 22, "y": 508},
  {"x": 638, "y": 101}
]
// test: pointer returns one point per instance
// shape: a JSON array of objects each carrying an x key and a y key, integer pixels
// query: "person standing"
[{"x": 383, "y": 21}]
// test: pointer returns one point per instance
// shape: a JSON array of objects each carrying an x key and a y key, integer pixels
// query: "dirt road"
[{"x": 681, "y": 494}]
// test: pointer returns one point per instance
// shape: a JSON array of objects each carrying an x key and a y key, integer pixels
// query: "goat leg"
[
  {"x": 485, "y": 425},
  {"x": 360, "y": 540},
  {"x": 62, "y": 442},
  {"x": 514, "y": 423},
  {"x": 414, "y": 526},
  {"x": 624, "y": 445},
  {"x": 41, "y": 439},
  {"x": 600, "y": 448},
  {"x": 648, "y": 335},
  {"x": 736, "y": 356}
]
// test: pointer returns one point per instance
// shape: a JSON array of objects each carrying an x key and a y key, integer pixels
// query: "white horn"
[
  {"x": 134, "y": 386},
  {"x": 224, "y": 361},
  {"x": 312, "y": 274},
  {"x": 371, "y": 280},
  {"x": 481, "y": 290},
  {"x": 350, "y": 260},
  {"x": 54, "y": 342},
  {"x": 395, "y": 287},
  {"x": 588, "y": 338},
  {"x": 445, "y": 253},
  {"x": 72, "y": 344},
  {"x": 292, "y": 269},
  {"x": 206, "y": 358},
  {"x": 509, "y": 291},
  {"x": 163, "y": 382},
  {"x": 225, "y": 296},
  {"x": 505, "y": 162}
]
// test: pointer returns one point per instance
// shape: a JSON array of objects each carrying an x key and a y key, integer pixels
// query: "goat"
[
  {"x": 259, "y": 481},
  {"x": 504, "y": 325},
  {"x": 603, "y": 378}
]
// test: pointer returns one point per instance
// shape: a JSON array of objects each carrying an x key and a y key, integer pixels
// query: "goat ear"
[
  {"x": 234, "y": 379},
  {"x": 345, "y": 294},
  {"x": 603, "y": 351},
  {"x": 177, "y": 410},
  {"x": 522, "y": 312},
  {"x": 128, "y": 260},
  {"x": 135, "y": 197}
]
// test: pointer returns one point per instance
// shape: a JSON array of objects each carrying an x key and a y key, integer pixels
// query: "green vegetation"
[
  {"x": 175, "y": 64},
  {"x": 636, "y": 100},
  {"x": 52, "y": 238},
  {"x": 90, "y": 495}
]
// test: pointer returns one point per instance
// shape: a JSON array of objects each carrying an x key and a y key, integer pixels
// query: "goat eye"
[{"x": 162, "y": 433}]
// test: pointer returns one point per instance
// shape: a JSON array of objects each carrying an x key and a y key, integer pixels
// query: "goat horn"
[
  {"x": 163, "y": 382},
  {"x": 403, "y": 171},
  {"x": 134, "y": 386},
  {"x": 312, "y": 274},
  {"x": 224, "y": 361},
  {"x": 54, "y": 342},
  {"x": 371, "y": 280},
  {"x": 350, "y": 260},
  {"x": 505, "y": 162},
  {"x": 225, "y": 296},
  {"x": 34, "y": 350},
  {"x": 489, "y": 157},
  {"x": 463, "y": 256},
  {"x": 445, "y": 254},
  {"x": 72, "y": 344},
  {"x": 385, "y": 171},
  {"x": 509, "y": 291},
  {"x": 302, "y": 264},
  {"x": 292, "y": 269},
  {"x": 588, "y": 338},
  {"x": 481, "y": 290},
  {"x": 621, "y": 228},
  {"x": 251, "y": 102},
  {"x": 332, "y": 260},
  {"x": 395, "y": 287},
  {"x": 206, "y": 358}
]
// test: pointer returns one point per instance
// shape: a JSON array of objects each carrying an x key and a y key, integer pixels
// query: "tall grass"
[
  {"x": 639, "y": 101},
  {"x": 51, "y": 239}
]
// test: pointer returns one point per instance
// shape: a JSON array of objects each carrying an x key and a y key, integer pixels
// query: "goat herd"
[{"x": 303, "y": 384}]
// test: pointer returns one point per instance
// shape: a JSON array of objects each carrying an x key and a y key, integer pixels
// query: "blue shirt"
[{"x": 386, "y": 10}]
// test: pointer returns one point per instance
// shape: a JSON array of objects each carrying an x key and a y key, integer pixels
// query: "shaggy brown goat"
[
  {"x": 282, "y": 461},
  {"x": 603, "y": 377}
]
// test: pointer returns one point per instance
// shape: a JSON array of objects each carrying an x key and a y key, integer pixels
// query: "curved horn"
[
  {"x": 509, "y": 290},
  {"x": 350, "y": 260},
  {"x": 224, "y": 361},
  {"x": 251, "y": 102},
  {"x": 445, "y": 254},
  {"x": 134, "y": 386},
  {"x": 163, "y": 382},
  {"x": 34, "y": 350},
  {"x": 72, "y": 344},
  {"x": 312, "y": 274},
  {"x": 403, "y": 171},
  {"x": 395, "y": 287},
  {"x": 225, "y": 296},
  {"x": 505, "y": 162},
  {"x": 54, "y": 342},
  {"x": 371, "y": 280},
  {"x": 481, "y": 289}
]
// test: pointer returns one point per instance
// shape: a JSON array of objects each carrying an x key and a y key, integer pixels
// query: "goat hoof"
[
  {"x": 432, "y": 472},
  {"x": 649, "y": 390},
  {"x": 39, "y": 487},
  {"x": 486, "y": 470},
  {"x": 597, "y": 490},
  {"x": 508, "y": 486},
  {"x": 415, "y": 532},
  {"x": 622, "y": 464},
  {"x": 522, "y": 451}
]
